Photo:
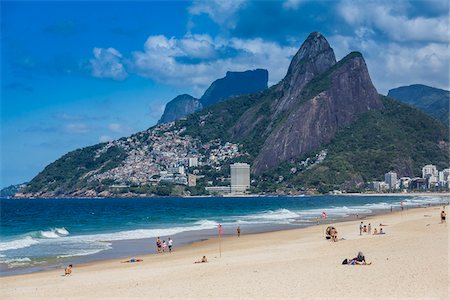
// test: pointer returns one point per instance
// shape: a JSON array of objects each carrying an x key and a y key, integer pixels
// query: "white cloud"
[
  {"x": 105, "y": 138},
  {"x": 116, "y": 127},
  {"x": 170, "y": 60},
  {"x": 77, "y": 128},
  {"x": 107, "y": 63},
  {"x": 393, "y": 64},
  {"x": 291, "y": 4},
  {"x": 391, "y": 18},
  {"x": 221, "y": 12}
]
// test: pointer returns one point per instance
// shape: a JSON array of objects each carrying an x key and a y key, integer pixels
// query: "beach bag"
[{"x": 345, "y": 262}]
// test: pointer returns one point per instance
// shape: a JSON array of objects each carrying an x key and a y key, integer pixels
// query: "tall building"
[
  {"x": 390, "y": 179},
  {"x": 240, "y": 177},
  {"x": 429, "y": 170}
]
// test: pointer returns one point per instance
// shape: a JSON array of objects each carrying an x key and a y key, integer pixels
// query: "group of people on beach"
[
  {"x": 368, "y": 229},
  {"x": 162, "y": 246}
]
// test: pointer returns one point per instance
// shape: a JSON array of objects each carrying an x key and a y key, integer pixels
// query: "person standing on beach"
[
  {"x": 158, "y": 245},
  {"x": 361, "y": 227},
  {"x": 170, "y": 243},
  {"x": 238, "y": 230},
  {"x": 369, "y": 228},
  {"x": 443, "y": 215}
]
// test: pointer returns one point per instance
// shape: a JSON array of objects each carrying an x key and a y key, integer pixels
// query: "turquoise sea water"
[{"x": 37, "y": 231}]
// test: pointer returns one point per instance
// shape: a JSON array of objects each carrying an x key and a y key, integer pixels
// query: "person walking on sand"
[
  {"x": 361, "y": 227},
  {"x": 170, "y": 244},
  {"x": 238, "y": 230},
  {"x": 443, "y": 215},
  {"x": 164, "y": 246},
  {"x": 369, "y": 228},
  {"x": 158, "y": 245}
]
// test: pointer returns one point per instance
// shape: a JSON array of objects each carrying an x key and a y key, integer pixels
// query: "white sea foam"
[
  {"x": 18, "y": 244},
  {"x": 53, "y": 233}
]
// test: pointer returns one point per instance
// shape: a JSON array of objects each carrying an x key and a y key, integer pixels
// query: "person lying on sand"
[
  {"x": 132, "y": 260},
  {"x": 383, "y": 224},
  {"x": 360, "y": 259},
  {"x": 68, "y": 270},
  {"x": 204, "y": 260}
]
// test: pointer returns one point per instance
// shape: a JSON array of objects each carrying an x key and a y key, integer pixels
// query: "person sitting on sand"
[
  {"x": 375, "y": 231},
  {"x": 381, "y": 231},
  {"x": 443, "y": 215},
  {"x": 365, "y": 228},
  {"x": 132, "y": 260},
  {"x": 68, "y": 270},
  {"x": 204, "y": 260}
]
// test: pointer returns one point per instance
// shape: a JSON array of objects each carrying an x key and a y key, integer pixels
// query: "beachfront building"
[
  {"x": 390, "y": 179},
  {"x": 430, "y": 173},
  {"x": 192, "y": 180},
  {"x": 220, "y": 190},
  {"x": 405, "y": 182},
  {"x": 240, "y": 177}
]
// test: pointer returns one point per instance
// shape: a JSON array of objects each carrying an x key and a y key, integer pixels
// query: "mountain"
[
  {"x": 233, "y": 84},
  {"x": 11, "y": 190},
  {"x": 178, "y": 107},
  {"x": 431, "y": 100},
  {"x": 322, "y": 127}
]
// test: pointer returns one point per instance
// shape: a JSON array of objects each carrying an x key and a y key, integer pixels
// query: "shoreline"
[
  {"x": 294, "y": 260},
  {"x": 198, "y": 236},
  {"x": 126, "y": 196}
]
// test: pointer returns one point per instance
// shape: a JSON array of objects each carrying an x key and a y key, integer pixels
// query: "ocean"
[{"x": 38, "y": 234}]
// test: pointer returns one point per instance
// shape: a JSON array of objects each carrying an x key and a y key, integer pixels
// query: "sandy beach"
[{"x": 409, "y": 261}]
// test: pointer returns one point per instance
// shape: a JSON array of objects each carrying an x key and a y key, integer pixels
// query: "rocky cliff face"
[
  {"x": 348, "y": 92},
  {"x": 233, "y": 84},
  {"x": 316, "y": 98},
  {"x": 180, "y": 106}
]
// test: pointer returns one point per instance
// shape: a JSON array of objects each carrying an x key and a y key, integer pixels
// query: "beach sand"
[{"x": 410, "y": 261}]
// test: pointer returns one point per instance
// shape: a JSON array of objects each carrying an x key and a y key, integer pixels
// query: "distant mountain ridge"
[
  {"x": 233, "y": 84},
  {"x": 431, "y": 100},
  {"x": 322, "y": 127}
]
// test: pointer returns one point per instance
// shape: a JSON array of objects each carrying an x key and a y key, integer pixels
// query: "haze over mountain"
[
  {"x": 233, "y": 84},
  {"x": 431, "y": 100},
  {"x": 322, "y": 127}
]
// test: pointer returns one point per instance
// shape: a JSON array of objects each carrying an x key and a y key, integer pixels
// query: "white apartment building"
[
  {"x": 390, "y": 179},
  {"x": 240, "y": 177}
]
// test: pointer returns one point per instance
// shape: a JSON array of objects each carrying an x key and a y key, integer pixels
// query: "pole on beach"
[
  {"x": 324, "y": 216},
  {"x": 220, "y": 240}
]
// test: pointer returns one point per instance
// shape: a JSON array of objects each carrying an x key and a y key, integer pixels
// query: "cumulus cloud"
[
  {"x": 221, "y": 12},
  {"x": 392, "y": 64},
  {"x": 392, "y": 19},
  {"x": 198, "y": 59},
  {"x": 107, "y": 63}
]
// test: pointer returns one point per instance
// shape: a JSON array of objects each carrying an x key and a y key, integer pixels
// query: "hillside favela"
[{"x": 232, "y": 149}]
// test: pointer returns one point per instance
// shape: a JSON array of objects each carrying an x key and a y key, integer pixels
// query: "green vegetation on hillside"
[
  {"x": 67, "y": 173},
  {"x": 399, "y": 138}
]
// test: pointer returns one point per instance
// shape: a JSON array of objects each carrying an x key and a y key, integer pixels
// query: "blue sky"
[{"x": 77, "y": 73}]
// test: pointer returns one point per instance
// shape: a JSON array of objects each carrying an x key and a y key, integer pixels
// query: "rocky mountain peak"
[{"x": 314, "y": 57}]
